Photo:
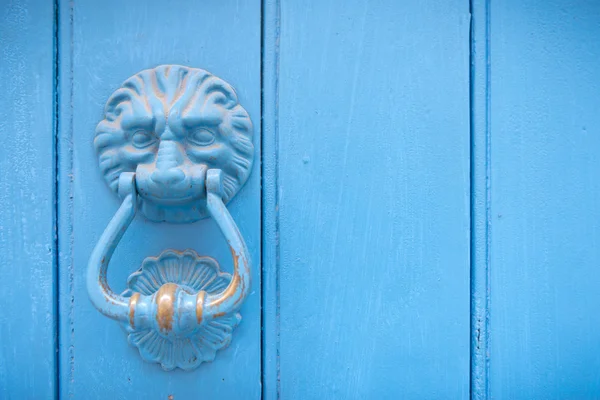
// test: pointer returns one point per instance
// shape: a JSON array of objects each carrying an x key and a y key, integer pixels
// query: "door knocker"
[{"x": 176, "y": 146}]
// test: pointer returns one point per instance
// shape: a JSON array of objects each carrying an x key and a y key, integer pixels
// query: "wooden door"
[{"x": 420, "y": 214}]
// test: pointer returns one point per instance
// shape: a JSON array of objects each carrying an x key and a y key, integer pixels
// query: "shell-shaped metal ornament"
[{"x": 193, "y": 273}]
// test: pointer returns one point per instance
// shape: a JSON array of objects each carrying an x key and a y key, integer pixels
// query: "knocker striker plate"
[{"x": 176, "y": 145}]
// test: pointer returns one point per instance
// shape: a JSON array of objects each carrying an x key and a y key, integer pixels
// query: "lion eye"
[
  {"x": 143, "y": 139},
  {"x": 201, "y": 137}
]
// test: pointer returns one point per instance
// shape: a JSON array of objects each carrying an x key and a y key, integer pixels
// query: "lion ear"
[
  {"x": 108, "y": 135},
  {"x": 114, "y": 105},
  {"x": 122, "y": 99},
  {"x": 216, "y": 91},
  {"x": 241, "y": 120}
]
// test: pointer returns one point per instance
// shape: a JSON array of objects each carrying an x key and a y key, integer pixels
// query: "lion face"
[{"x": 170, "y": 125}]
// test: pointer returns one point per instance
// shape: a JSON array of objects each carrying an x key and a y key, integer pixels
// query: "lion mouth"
[{"x": 170, "y": 199}]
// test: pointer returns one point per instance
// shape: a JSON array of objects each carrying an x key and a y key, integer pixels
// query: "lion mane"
[{"x": 173, "y": 91}]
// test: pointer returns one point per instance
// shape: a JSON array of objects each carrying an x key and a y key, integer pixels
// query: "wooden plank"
[
  {"x": 103, "y": 47},
  {"x": 545, "y": 191},
  {"x": 373, "y": 200},
  {"x": 27, "y": 320}
]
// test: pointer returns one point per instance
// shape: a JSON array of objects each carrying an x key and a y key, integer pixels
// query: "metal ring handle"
[{"x": 175, "y": 313}]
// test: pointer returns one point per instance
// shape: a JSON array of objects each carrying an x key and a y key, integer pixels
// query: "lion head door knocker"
[{"x": 175, "y": 144}]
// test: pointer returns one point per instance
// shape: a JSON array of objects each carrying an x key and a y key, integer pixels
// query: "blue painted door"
[{"x": 420, "y": 215}]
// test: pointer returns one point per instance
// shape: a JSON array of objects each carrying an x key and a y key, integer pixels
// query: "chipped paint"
[
  {"x": 165, "y": 302},
  {"x": 200, "y": 306},
  {"x": 132, "y": 304}
]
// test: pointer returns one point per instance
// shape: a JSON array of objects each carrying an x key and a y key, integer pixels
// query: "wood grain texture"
[
  {"x": 101, "y": 47},
  {"x": 373, "y": 200},
  {"x": 545, "y": 187},
  {"x": 27, "y": 319}
]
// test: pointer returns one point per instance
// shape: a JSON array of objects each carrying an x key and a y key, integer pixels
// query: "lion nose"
[
  {"x": 168, "y": 160},
  {"x": 168, "y": 177}
]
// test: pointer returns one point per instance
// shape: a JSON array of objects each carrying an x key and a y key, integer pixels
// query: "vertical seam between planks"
[
  {"x": 262, "y": 214},
  {"x": 277, "y": 231},
  {"x": 480, "y": 196},
  {"x": 488, "y": 192},
  {"x": 262, "y": 190},
  {"x": 64, "y": 187},
  {"x": 70, "y": 208},
  {"x": 270, "y": 319},
  {"x": 55, "y": 227}
]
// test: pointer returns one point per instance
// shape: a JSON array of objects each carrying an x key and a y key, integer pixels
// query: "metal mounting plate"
[{"x": 169, "y": 125}]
